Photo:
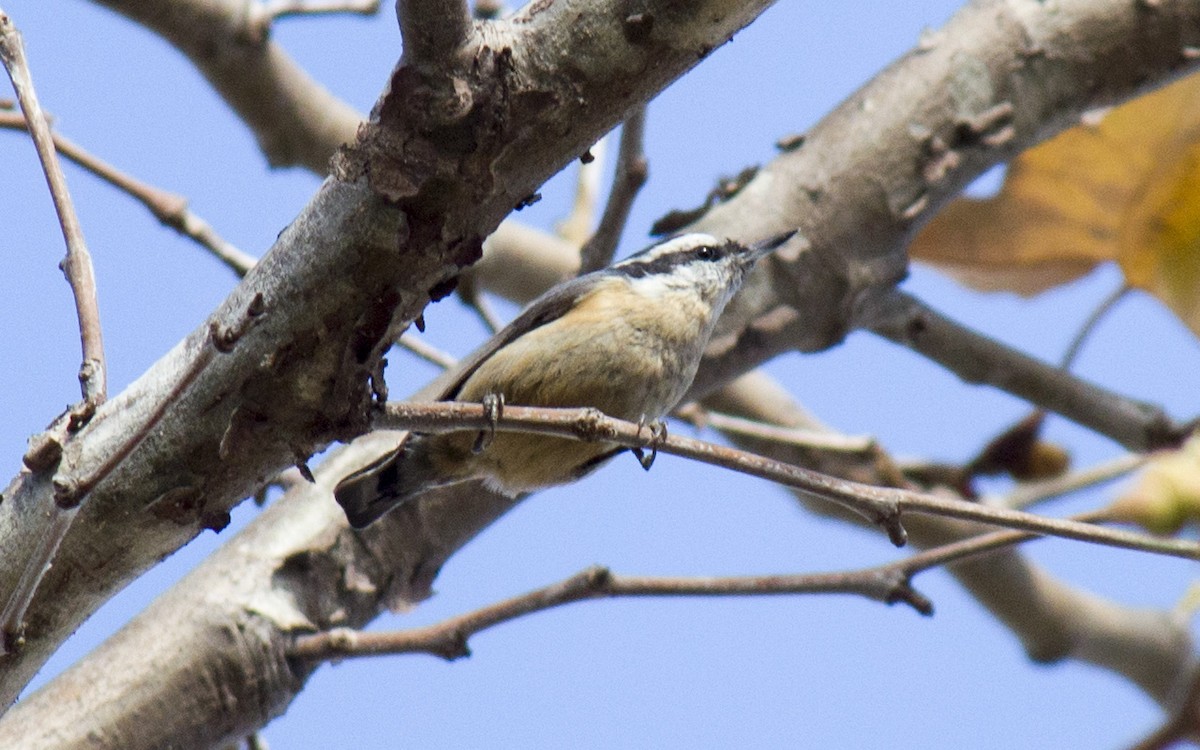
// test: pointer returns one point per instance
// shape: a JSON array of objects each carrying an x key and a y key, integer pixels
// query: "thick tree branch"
[
  {"x": 978, "y": 359},
  {"x": 997, "y": 79},
  {"x": 432, "y": 30},
  {"x": 296, "y": 120},
  {"x": 860, "y": 154},
  {"x": 359, "y": 262}
]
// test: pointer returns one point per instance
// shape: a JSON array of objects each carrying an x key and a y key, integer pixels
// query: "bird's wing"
[{"x": 545, "y": 309}]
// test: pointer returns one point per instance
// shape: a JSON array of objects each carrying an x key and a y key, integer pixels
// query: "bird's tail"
[{"x": 371, "y": 492}]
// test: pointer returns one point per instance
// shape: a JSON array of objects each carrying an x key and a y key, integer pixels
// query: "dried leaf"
[{"x": 1125, "y": 188}]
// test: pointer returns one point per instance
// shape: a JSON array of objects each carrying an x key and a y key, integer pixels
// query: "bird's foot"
[
  {"x": 493, "y": 409},
  {"x": 658, "y": 433}
]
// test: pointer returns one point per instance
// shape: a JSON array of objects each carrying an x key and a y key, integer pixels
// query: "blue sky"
[{"x": 813, "y": 671}]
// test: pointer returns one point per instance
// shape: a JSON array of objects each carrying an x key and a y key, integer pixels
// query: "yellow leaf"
[
  {"x": 1166, "y": 493},
  {"x": 1125, "y": 189}
]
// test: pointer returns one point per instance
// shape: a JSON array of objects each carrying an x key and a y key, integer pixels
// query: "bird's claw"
[
  {"x": 658, "y": 433},
  {"x": 493, "y": 409}
]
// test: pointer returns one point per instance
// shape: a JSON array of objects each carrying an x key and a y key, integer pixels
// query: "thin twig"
[
  {"x": 1089, "y": 326},
  {"x": 576, "y": 227},
  {"x": 448, "y": 639},
  {"x": 78, "y": 264},
  {"x": 881, "y": 505},
  {"x": 824, "y": 440},
  {"x": 271, "y": 10},
  {"x": 427, "y": 351},
  {"x": 1031, "y": 493},
  {"x": 631, "y": 175},
  {"x": 473, "y": 298},
  {"x": 978, "y": 359},
  {"x": 431, "y": 30},
  {"x": 169, "y": 208},
  {"x": 890, "y": 583}
]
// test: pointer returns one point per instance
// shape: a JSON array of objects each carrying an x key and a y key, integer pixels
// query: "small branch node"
[
  {"x": 891, "y": 523},
  {"x": 305, "y": 472},
  {"x": 901, "y": 591},
  {"x": 592, "y": 425},
  {"x": 224, "y": 338},
  {"x": 44, "y": 453},
  {"x": 452, "y": 647},
  {"x": 67, "y": 492}
]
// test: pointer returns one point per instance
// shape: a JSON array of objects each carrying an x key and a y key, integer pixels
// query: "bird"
[{"x": 626, "y": 340}]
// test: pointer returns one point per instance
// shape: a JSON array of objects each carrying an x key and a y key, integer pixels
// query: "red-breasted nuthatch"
[{"x": 626, "y": 340}]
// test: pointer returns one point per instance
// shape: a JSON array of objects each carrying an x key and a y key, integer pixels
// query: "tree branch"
[
  {"x": 296, "y": 121},
  {"x": 631, "y": 174},
  {"x": 78, "y": 263},
  {"x": 881, "y": 505},
  {"x": 169, "y": 208},
  {"x": 817, "y": 186},
  {"x": 978, "y": 359},
  {"x": 888, "y": 583},
  {"x": 266, "y": 12},
  {"x": 333, "y": 296},
  {"x": 432, "y": 30},
  {"x": 1053, "y": 620},
  {"x": 997, "y": 79},
  {"x": 93, "y": 370}
]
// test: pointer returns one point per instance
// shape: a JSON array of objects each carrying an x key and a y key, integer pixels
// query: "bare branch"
[
  {"x": 169, "y": 208},
  {"x": 333, "y": 294},
  {"x": 1026, "y": 495},
  {"x": 978, "y": 359},
  {"x": 427, "y": 351},
  {"x": 473, "y": 298},
  {"x": 576, "y": 226},
  {"x": 296, "y": 121},
  {"x": 449, "y": 639},
  {"x": 432, "y": 30},
  {"x": 1085, "y": 331},
  {"x": 881, "y": 505},
  {"x": 824, "y": 440},
  {"x": 78, "y": 264},
  {"x": 1182, "y": 724},
  {"x": 70, "y": 490},
  {"x": 82, "y": 279},
  {"x": 631, "y": 174},
  {"x": 889, "y": 584},
  {"x": 266, "y": 12}
]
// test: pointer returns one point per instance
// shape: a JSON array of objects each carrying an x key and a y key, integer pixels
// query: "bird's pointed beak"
[{"x": 762, "y": 247}]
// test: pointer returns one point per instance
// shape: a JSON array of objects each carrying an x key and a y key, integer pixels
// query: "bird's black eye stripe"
[{"x": 639, "y": 267}]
